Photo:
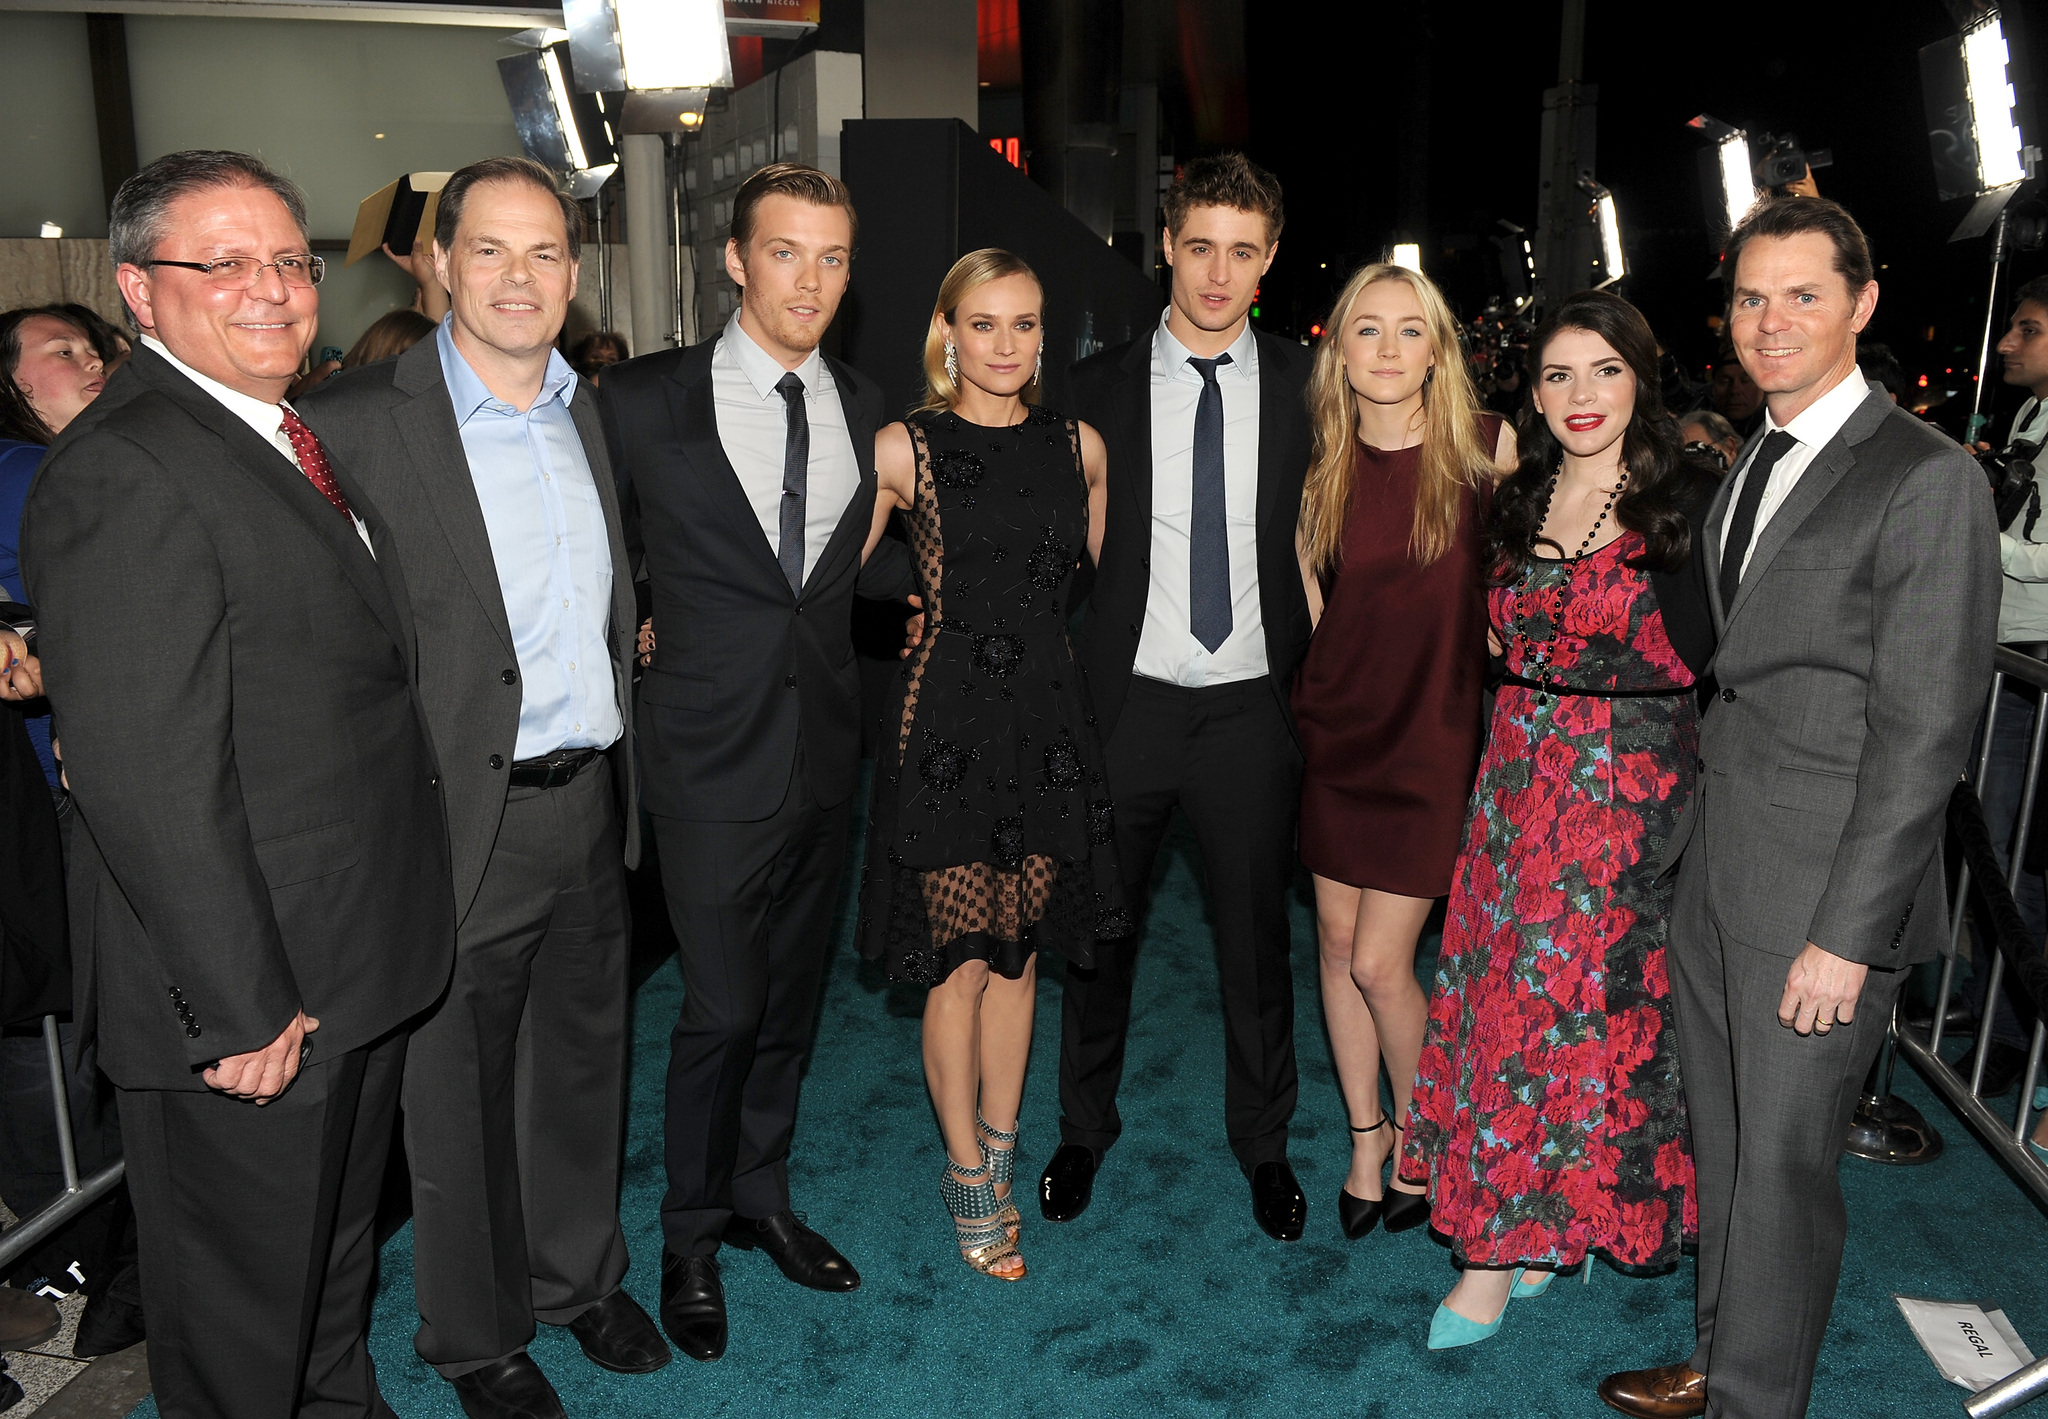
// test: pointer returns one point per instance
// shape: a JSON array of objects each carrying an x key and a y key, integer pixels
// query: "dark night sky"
[{"x": 1333, "y": 103}]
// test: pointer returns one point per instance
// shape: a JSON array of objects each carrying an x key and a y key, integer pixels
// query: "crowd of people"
[{"x": 356, "y": 724}]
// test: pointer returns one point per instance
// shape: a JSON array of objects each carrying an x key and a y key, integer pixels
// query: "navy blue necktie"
[
  {"x": 1208, "y": 531},
  {"x": 1742, "y": 521},
  {"x": 796, "y": 467}
]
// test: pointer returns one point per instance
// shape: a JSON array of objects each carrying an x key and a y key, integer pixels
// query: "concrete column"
[
  {"x": 650, "y": 263},
  {"x": 921, "y": 60}
]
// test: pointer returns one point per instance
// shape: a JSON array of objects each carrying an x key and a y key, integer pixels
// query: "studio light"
[
  {"x": 1610, "y": 239},
  {"x": 674, "y": 44},
  {"x": 1728, "y": 177},
  {"x": 1408, "y": 255},
  {"x": 558, "y": 127},
  {"x": 2001, "y": 159}
]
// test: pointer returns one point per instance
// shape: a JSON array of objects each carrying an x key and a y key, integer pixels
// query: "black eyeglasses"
[{"x": 239, "y": 273}]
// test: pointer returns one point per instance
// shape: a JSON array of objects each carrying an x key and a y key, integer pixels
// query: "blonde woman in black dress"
[{"x": 991, "y": 835}]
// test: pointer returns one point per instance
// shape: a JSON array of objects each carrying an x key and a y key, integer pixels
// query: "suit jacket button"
[
  {"x": 497, "y": 761},
  {"x": 1729, "y": 695},
  {"x": 789, "y": 681},
  {"x": 1700, "y": 765},
  {"x": 191, "y": 1032},
  {"x": 510, "y": 677},
  {"x": 1134, "y": 628},
  {"x": 434, "y": 781}
]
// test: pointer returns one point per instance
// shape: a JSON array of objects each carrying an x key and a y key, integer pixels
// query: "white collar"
[
  {"x": 264, "y": 418},
  {"x": 764, "y": 371},
  {"x": 1170, "y": 357},
  {"x": 1821, "y": 420}
]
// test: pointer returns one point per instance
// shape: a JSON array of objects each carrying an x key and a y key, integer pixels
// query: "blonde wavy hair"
[
  {"x": 1455, "y": 459},
  {"x": 969, "y": 274}
]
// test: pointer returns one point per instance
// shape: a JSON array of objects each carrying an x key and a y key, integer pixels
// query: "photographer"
[{"x": 2022, "y": 626}]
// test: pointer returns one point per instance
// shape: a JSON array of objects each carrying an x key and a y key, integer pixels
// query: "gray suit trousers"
[
  {"x": 1770, "y": 1111},
  {"x": 515, "y": 1089}
]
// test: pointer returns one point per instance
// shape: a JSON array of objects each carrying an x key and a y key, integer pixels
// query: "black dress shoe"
[
  {"x": 805, "y": 1257},
  {"x": 10, "y": 1392},
  {"x": 693, "y": 1305},
  {"x": 511, "y": 1388},
  {"x": 1277, "y": 1201},
  {"x": 1403, "y": 1210},
  {"x": 617, "y": 1335},
  {"x": 1068, "y": 1183},
  {"x": 1357, "y": 1215},
  {"x": 109, "y": 1323},
  {"x": 2002, "y": 1068}
]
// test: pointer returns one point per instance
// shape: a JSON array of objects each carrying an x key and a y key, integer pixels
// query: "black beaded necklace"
[{"x": 1538, "y": 659}]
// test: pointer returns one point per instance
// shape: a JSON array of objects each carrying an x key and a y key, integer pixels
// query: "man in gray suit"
[
  {"x": 1853, "y": 561},
  {"x": 488, "y": 456}
]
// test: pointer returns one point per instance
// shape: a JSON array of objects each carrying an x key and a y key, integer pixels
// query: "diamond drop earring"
[
  {"x": 1038, "y": 370},
  {"x": 952, "y": 363}
]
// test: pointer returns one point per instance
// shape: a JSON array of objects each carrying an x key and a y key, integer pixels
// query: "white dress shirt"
[
  {"x": 1167, "y": 648},
  {"x": 1815, "y": 425},
  {"x": 267, "y": 420},
  {"x": 753, "y": 425},
  {"x": 2023, "y": 609}
]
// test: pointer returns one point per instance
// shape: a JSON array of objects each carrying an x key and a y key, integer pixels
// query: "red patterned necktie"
[{"x": 313, "y": 460}]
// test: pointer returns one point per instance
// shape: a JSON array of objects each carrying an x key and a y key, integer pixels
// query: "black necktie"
[
  {"x": 1208, "y": 533},
  {"x": 1742, "y": 522},
  {"x": 796, "y": 466}
]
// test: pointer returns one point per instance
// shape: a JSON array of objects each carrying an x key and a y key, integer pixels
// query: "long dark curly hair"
[{"x": 1663, "y": 479}]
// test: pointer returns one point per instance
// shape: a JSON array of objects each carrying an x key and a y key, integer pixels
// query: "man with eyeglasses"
[{"x": 260, "y": 877}]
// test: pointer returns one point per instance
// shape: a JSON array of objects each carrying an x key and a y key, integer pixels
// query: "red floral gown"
[{"x": 1547, "y": 1117}]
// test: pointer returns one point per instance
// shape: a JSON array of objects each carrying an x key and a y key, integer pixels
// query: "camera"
[
  {"x": 2013, "y": 486},
  {"x": 1784, "y": 161}
]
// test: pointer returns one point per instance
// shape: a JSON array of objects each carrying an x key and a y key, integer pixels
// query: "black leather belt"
[{"x": 552, "y": 771}]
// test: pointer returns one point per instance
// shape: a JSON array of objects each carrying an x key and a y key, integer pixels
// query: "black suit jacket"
[
  {"x": 393, "y": 425},
  {"x": 260, "y": 825},
  {"x": 744, "y": 669},
  {"x": 1113, "y": 391}
]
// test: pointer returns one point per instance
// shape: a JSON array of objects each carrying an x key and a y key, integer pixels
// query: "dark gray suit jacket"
[
  {"x": 1852, "y": 666},
  {"x": 230, "y": 674},
  {"x": 394, "y": 426}
]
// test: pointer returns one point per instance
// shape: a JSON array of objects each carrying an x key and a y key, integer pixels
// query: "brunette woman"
[
  {"x": 991, "y": 836},
  {"x": 1549, "y": 1121},
  {"x": 1388, "y": 699}
]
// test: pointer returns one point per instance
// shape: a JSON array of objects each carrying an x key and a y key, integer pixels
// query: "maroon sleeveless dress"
[{"x": 1389, "y": 696}]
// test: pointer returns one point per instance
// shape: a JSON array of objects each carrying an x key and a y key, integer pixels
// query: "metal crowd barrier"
[
  {"x": 2000, "y": 920},
  {"x": 78, "y": 1194}
]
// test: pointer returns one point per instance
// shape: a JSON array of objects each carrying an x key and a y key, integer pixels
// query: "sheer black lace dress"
[{"x": 991, "y": 834}]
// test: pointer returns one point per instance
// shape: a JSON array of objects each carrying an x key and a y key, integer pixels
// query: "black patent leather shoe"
[
  {"x": 693, "y": 1305},
  {"x": 1357, "y": 1215},
  {"x": 1068, "y": 1182},
  {"x": 617, "y": 1335},
  {"x": 511, "y": 1388},
  {"x": 804, "y": 1257},
  {"x": 1278, "y": 1202}
]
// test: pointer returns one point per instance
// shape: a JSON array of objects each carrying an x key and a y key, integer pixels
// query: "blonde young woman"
[
  {"x": 1388, "y": 699},
  {"x": 991, "y": 835}
]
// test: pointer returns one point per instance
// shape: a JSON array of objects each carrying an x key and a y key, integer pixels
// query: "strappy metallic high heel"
[
  {"x": 1001, "y": 1162},
  {"x": 977, "y": 1220},
  {"x": 1403, "y": 1210}
]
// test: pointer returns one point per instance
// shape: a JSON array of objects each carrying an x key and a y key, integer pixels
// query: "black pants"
[
  {"x": 752, "y": 907},
  {"x": 1225, "y": 757},
  {"x": 515, "y": 1087},
  {"x": 258, "y": 1248}
]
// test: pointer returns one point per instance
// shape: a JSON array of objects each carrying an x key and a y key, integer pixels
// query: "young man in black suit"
[
  {"x": 1197, "y": 621},
  {"x": 259, "y": 870},
  {"x": 746, "y": 467}
]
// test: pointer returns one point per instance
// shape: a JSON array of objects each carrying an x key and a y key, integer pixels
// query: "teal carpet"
[{"x": 1165, "y": 1298}]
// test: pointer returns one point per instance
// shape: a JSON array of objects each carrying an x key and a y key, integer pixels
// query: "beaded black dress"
[{"x": 991, "y": 834}]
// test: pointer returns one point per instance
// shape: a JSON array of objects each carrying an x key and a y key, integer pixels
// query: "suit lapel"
[
  {"x": 1829, "y": 464},
  {"x": 1275, "y": 420},
  {"x": 858, "y": 516},
  {"x": 696, "y": 422},
  {"x": 278, "y": 476},
  {"x": 1710, "y": 535},
  {"x": 426, "y": 422},
  {"x": 621, "y": 626}
]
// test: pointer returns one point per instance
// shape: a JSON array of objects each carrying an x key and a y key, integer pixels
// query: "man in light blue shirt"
[{"x": 487, "y": 457}]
